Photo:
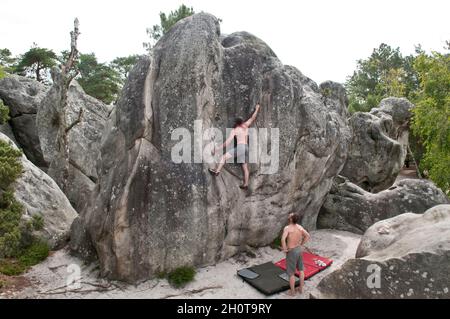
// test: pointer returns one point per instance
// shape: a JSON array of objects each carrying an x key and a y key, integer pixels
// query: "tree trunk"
[{"x": 38, "y": 72}]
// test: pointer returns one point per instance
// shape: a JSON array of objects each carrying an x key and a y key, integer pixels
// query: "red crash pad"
[{"x": 310, "y": 264}]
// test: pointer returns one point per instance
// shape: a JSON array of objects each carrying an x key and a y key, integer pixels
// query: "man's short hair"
[{"x": 294, "y": 218}]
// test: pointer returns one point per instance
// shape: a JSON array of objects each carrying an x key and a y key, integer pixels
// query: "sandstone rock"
[
  {"x": 349, "y": 207},
  {"x": 40, "y": 195},
  {"x": 7, "y": 130},
  {"x": 23, "y": 96},
  {"x": 148, "y": 214},
  {"x": 411, "y": 254},
  {"x": 378, "y": 147},
  {"x": 84, "y": 140}
]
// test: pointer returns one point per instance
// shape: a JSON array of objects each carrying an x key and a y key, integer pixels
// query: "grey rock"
[
  {"x": 148, "y": 214},
  {"x": 411, "y": 253},
  {"x": 23, "y": 96},
  {"x": 84, "y": 139},
  {"x": 349, "y": 207},
  {"x": 25, "y": 131},
  {"x": 40, "y": 195},
  {"x": 379, "y": 145},
  {"x": 7, "y": 130}
]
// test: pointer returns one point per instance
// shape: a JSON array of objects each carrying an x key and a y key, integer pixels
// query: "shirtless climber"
[
  {"x": 296, "y": 237},
  {"x": 240, "y": 131}
]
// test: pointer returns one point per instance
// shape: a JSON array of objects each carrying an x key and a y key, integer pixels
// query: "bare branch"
[{"x": 78, "y": 120}]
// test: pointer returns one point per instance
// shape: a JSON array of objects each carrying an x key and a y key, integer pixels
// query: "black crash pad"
[{"x": 269, "y": 281}]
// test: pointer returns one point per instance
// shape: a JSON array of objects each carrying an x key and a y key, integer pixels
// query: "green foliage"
[
  {"x": 37, "y": 222},
  {"x": 6, "y": 58},
  {"x": 385, "y": 73},
  {"x": 10, "y": 226},
  {"x": 7, "y": 62},
  {"x": 34, "y": 254},
  {"x": 11, "y": 267},
  {"x": 2, "y": 72},
  {"x": 180, "y": 277},
  {"x": 166, "y": 22},
  {"x": 123, "y": 65},
  {"x": 432, "y": 115},
  {"x": 36, "y": 63},
  {"x": 98, "y": 79},
  {"x": 4, "y": 113},
  {"x": 10, "y": 165}
]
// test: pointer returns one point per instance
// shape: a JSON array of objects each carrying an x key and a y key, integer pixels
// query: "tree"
[
  {"x": 36, "y": 61},
  {"x": 61, "y": 82},
  {"x": 431, "y": 119},
  {"x": 166, "y": 22},
  {"x": 7, "y": 61},
  {"x": 123, "y": 65},
  {"x": 385, "y": 73},
  {"x": 98, "y": 79}
]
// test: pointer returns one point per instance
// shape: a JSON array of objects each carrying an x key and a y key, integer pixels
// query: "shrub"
[
  {"x": 34, "y": 254},
  {"x": 10, "y": 225},
  {"x": 180, "y": 277},
  {"x": 11, "y": 267},
  {"x": 4, "y": 113},
  {"x": 19, "y": 249},
  {"x": 38, "y": 222},
  {"x": 10, "y": 165}
]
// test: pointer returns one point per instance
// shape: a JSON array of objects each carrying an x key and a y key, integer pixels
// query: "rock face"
[
  {"x": 378, "y": 148},
  {"x": 84, "y": 140},
  {"x": 23, "y": 97},
  {"x": 411, "y": 253},
  {"x": 40, "y": 195},
  {"x": 148, "y": 214},
  {"x": 349, "y": 207}
]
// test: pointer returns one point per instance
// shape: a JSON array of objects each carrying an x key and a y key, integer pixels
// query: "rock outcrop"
[
  {"x": 379, "y": 145},
  {"x": 349, "y": 207},
  {"x": 403, "y": 257},
  {"x": 23, "y": 97},
  {"x": 84, "y": 139},
  {"x": 40, "y": 195},
  {"x": 149, "y": 214}
]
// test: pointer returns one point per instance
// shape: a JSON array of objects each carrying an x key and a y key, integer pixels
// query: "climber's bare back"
[
  {"x": 241, "y": 133},
  {"x": 296, "y": 235}
]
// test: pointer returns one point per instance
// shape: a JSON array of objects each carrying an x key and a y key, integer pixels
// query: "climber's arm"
[
  {"x": 283, "y": 239},
  {"x": 306, "y": 236},
  {"x": 227, "y": 142},
  {"x": 253, "y": 117}
]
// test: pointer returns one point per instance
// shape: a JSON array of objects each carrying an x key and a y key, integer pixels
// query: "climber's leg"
[
  {"x": 246, "y": 174},
  {"x": 222, "y": 162}
]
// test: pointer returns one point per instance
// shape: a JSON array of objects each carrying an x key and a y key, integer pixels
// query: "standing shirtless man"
[
  {"x": 240, "y": 131},
  {"x": 296, "y": 236}
]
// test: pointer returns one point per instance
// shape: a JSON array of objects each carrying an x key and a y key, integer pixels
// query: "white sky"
[{"x": 322, "y": 38}]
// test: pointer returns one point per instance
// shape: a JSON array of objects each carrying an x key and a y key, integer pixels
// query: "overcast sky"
[{"x": 322, "y": 38}]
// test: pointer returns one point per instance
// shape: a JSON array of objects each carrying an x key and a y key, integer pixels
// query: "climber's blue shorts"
[{"x": 240, "y": 152}]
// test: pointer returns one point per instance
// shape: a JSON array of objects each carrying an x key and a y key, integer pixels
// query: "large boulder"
[
  {"x": 84, "y": 139},
  {"x": 407, "y": 256},
  {"x": 23, "y": 96},
  {"x": 149, "y": 214},
  {"x": 379, "y": 145},
  {"x": 349, "y": 207},
  {"x": 40, "y": 196}
]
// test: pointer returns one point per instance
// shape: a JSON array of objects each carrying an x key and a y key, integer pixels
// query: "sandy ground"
[{"x": 49, "y": 279}]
